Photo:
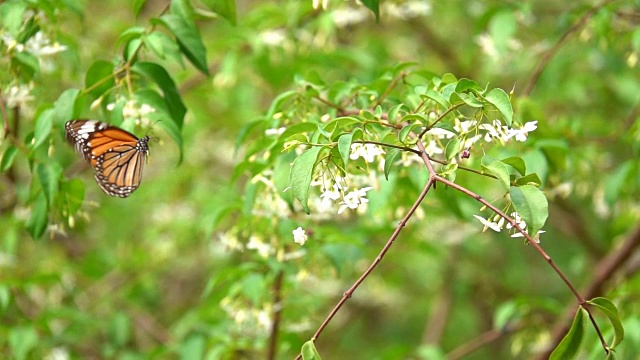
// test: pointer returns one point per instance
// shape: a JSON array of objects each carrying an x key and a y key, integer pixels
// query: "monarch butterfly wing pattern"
[
  {"x": 116, "y": 155},
  {"x": 119, "y": 171}
]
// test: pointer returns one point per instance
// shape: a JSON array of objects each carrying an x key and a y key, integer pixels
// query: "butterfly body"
[{"x": 116, "y": 155}]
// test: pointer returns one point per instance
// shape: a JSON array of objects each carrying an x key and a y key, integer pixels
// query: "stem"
[
  {"x": 576, "y": 294},
  {"x": 387, "y": 91},
  {"x": 347, "y": 294},
  {"x": 438, "y": 120},
  {"x": 556, "y": 47},
  {"x": 277, "y": 315}
]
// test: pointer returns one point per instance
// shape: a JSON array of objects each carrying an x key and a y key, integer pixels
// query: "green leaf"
[
  {"x": 392, "y": 115},
  {"x": 569, "y": 346},
  {"x": 22, "y": 340},
  {"x": 309, "y": 351},
  {"x": 37, "y": 222},
  {"x": 301, "y": 175},
  {"x": 344, "y": 147},
  {"x": 405, "y": 131},
  {"x": 468, "y": 99},
  {"x": 44, "y": 124},
  {"x": 193, "y": 348},
  {"x": 500, "y": 99},
  {"x": 517, "y": 163},
  {"x": 49, "y": 176},
  {"x": 163, "y": 46},
  {"x": 5, "y": 297},
  {"x": 438, "y": 98},
  {"x": 281, "y": 172},
  {"x": 65, "y": 107},
  {"x": 188, "y": 39},
  {"x": 72, "y": 193},
  {"x": 8, "y": 157},
  {"x": 224, "y": 8},
  {"x": 389, "y": 159},
  {"x": 532, "y": 206},
  {"x": 465, "y": 85},
  {"x": 609, "y": 309},
  {"x": 254, "y": 287},
  {"x": 530, "y": 179},
  {"x": 499, "y": 169},
  {"x": 26, "y": 65},
  {"x": 161, "y": 77},
  {"x": 615, "y": 182},
  {"x": 162, "y": 115},
  {"x": 128, "y": 35},
  {"x": 453, "y": 148},
  {"x": 99, "y": 78},
  {"x": 373, "y": 5},
  {"x": 137, "y": 5},
  {"x": 11, "y": 14}
]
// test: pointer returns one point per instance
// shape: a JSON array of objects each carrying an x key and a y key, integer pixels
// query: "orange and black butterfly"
[{"x": 117, "y": 156}]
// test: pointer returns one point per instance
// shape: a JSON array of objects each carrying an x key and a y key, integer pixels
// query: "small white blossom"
[
  {"x": 262, "y": 248},
  {"x": 408, "y": 10},
  {"x": 39, "y": 45},
  {"x": 536, "y": 238},
  {"x": 441, "y": 133},
  {"x": 274, "y": 132},
  {"x": 273, "y": 37},
  {"x": 349, "y": 16},
  {"x": 299, "y": 236},
  {"x": 433, "y": 148},
  {"x": 488, "y": 224},
  {"x": 367, "y": 151},
  {"x": 464, "y": 127},
  {"x": 330, "y": 195},
  {"x": 521, "y": 134},
  {"x": 19, "y": 96},
  {"x": 353, "y": 199}
]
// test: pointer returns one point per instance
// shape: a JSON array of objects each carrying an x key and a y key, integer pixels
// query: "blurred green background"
[{"x": 151, "y": 276}]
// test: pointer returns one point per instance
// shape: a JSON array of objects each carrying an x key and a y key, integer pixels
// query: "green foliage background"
[{"x": 149, "y": 277}]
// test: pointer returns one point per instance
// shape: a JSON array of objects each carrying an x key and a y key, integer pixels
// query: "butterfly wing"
[{"x": 116, "y": 155}]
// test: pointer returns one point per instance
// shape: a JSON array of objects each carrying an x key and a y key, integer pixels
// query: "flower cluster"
[
  {"x": 366, "y": 151},
  {"x": 135, "y": 111},
  {"x": 497, "y": 223}
]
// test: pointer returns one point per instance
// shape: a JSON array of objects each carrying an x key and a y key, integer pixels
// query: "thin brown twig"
[
  {"x": 277, "y": 316},
  {"x": 581, "y": 302},
  {"x": 347, "y": 294},
  {"x": 604, "y": 270},
  {"x": 5, "y": 119},
  {"x": 546, "y": 58},
  {"x": 387, "y": 91},
  {"x": 480, "y": 341}
]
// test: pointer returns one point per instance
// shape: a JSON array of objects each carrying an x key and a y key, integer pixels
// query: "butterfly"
[{"x": 116, "y": 155}]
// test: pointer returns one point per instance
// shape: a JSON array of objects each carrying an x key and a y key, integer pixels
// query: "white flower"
[
  {"x": 441, "y": 133},
  {"x": 39, "y": 45},
  {"x": 19, "y": 96},
  {"x": 299, "y": 236},
  {"x": 349, "y": 16},
  {"x": 330, "y": 195},
  {"x": 521, "y": 134},
  {"x": 463, "y": 127},
  {"x": 263, "y": 249},
  {"x": 536, "y": 238},
  {"x": 433, "y": 148},
  {"x": 273, "y": 37},
  {"x": 354, "y": 199},
  {"x": 367, "y": 151},
  {"x": 408, "y": 10},
  {"x": 516, "y": 217},
  {"x": 274, "y": 132},
  {"x": 495, "y": 226},
  {"x": 495, "y": 130}
]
